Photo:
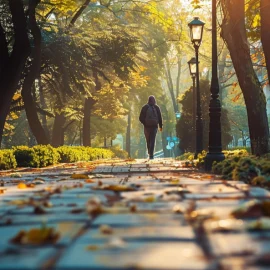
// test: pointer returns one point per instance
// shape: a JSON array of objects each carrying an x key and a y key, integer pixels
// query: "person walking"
[{"x": 151, "y": 119}]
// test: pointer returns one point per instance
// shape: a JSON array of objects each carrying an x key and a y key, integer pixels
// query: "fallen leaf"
[
  {"x": 30, "y": 185},
  {"x": 133, "y": 208},
  {"x": 38, "y": 210},
  {"x": 36, "y": 236},
  {"x": 22, "y": 185},
  {"x": 105, "y": 229},
  {"x": 93, "y": 247},
  {"x": 79, "y": 176},
  {"x": 115, "y": 188},
  {"x": 89, "y": 181},
  {"x": 150, "y": 199}
]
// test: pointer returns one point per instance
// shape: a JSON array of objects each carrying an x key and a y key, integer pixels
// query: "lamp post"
[
  {"x": 196, "y": 32},
  {"x": 215, "y": 147},
  {"x": 193, "y": 71}
]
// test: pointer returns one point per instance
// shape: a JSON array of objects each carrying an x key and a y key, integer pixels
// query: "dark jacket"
[{"x": 143, "y": 114}]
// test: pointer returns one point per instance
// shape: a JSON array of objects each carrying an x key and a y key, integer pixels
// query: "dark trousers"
[{"x": 150, "y": 137}]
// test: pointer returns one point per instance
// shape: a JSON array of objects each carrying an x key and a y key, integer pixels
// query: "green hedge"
[
  {"x": 38, "y": 156},
  {"x": 80, "y": 153},
  {"x": 72, "y": 154},
  {"x": 250, "y": 169},
  {"x": 119, "y": 152},
  {"x": 7, "y": 160},
  {"x": 45, "y": 155},
  {"x": 186, "y": 156},
  {"x": 237, "y": 165},
  {"x": 24, "y": 156}
]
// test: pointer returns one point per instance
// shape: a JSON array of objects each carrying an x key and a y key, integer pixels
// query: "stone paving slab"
[
  {"x": 134, "y": 255},
  {"x": 240, "y": 263},
  {"x": 142, "y": 233},
  {"x": 143, "y": 169},
  {"x": 27, "y": 258},
  {"x": 133, "y": 215},
  {"x": 68, "y": 232},
  {"x": 19, "y": 219},
  {"x": 238, "y": 244},
  {"x": 122, "y": 220}
]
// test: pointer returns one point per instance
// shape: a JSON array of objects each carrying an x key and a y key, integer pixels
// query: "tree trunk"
[
  {"x": 12, "y": 65},
  {"x": 33, "y": 120},
  {"x": 79, "y": 13},
  {"x": 4, "y": 55},
  {"x": 234, "y": 34},
  {"x": 179, "y": 69},
  {"x": 265, "y": 33},
  {"x": 221, "y": 72},
  {"x": 58, "y": 130},
  {"x": 170, "y": 84},
  {"x": 235, "y": 139},
  {"x": 88, "y": 105},
  {"x": 128, "y": 134},
  {"x": 34, "y": 71},
  {"x": 44, "y": 106}
]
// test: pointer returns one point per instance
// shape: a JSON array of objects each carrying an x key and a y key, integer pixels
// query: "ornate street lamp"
[
  {"x": 196, "y": 33},
  {"x": 192, "y": 69},
  {"x": 215, "y": 147}
]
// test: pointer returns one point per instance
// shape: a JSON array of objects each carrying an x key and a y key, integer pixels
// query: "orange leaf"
[
  {"x": 89, "y": 181},
  {"x": 22, "y": 185}
]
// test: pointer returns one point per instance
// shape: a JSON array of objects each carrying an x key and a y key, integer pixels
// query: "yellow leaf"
[
  {"x": 79, "y": 176},
  {"x": 22, "y": 185},
  {"x": 150, "y": 199}
]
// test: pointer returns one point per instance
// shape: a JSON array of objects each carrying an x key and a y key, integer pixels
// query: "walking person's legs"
[
  {"x": 147, "y": 138},
  {"x": 152, "y": 142}
]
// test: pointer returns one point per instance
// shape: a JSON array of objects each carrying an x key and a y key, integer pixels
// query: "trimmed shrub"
[
  {"x": 201, "y": 158},
  {"x": 69, "y": 154},
  {"x": 45, "y": 155},
  {"x": 7, "y": 160},
  {"x": 99, "y": 153},
  {"x": 264, "y": 166},
  {"x": 186, "y": 156},
  {"x": 261, "y": 181},
  {"x": 236, "y": 153},
  {"x": 225, "y": 167},
  {"x": 239, "y": 148},
  {"x": 81, "y": 153},
  {"x": 246, "y": 169},
  {"x": 119, "y": 153},
  {"x": 24, "y": 156}
]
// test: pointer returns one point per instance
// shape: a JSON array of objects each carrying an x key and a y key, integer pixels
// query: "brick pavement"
[{"x": 130, "y": 215}]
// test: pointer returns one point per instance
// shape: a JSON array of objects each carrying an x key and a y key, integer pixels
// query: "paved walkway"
[{"x": 131, "y": 215}]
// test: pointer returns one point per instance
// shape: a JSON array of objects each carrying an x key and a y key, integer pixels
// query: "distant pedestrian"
[{"x": 151, "y": 118}]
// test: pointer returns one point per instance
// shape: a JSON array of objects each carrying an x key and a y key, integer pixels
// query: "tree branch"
[{"x": 78, "y": 13}]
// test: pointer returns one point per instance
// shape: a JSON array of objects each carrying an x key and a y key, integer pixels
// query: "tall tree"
[
  {"x": 265, "y": 33},
  {"x": 12, "y": 62},
  {"x": 233, "y": 31},
  {"x": 33, "y": 73}
]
